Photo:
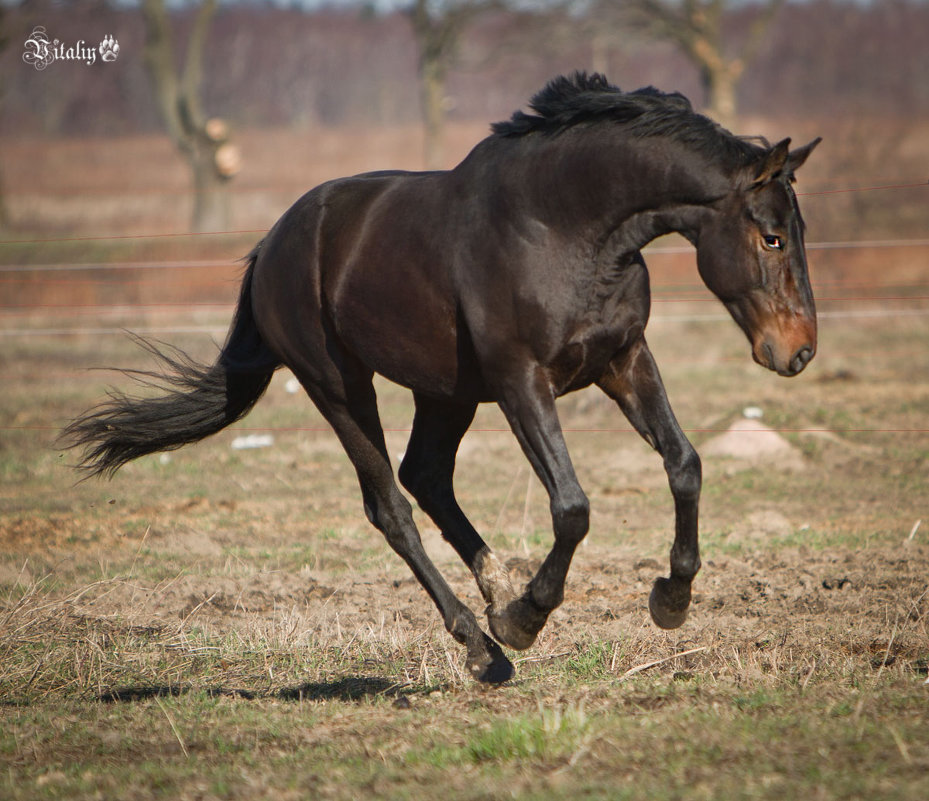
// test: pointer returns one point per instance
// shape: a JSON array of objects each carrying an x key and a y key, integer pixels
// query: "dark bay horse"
[{"x": 514, "y": 278}]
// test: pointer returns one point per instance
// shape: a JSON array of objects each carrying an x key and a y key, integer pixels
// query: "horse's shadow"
[{"x": 350, "y": 688}]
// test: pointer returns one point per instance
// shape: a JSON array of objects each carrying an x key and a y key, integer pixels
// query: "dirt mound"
[{"x": 750, "y": 440}]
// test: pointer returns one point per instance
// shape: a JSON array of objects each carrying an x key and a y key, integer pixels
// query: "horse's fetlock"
[
  {"x": 684, "y": 566},
  {"x": 545, "y": 595},
  {"x": 462, "y": 626},
  {"x": 493, "y": 579}
]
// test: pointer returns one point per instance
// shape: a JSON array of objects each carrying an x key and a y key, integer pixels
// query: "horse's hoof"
[
  {"x": 489, "y": 664},
  {"x": 517, "y": 624},
  {"x": 668, "y": 604}
]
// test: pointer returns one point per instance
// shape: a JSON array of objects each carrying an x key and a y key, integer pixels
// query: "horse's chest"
[
  {"x": 585, "y": 356},
  {"x": 612, "y": 319}
]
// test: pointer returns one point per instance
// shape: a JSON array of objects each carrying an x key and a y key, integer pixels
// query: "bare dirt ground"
[{"x": 831, "y": 610}]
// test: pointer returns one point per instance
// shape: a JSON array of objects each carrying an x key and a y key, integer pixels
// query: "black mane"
[{"x": 568, "y": 101}]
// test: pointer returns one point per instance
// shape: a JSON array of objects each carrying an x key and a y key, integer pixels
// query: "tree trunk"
[
  {"x": 204, "y": 143},
  {"x": 719, "y": 84},
  {"x": 433, "y": 100},
  {"x": 5, "y": 220},
  {"x": 600, "y": 52},
  {"x": 4, "y": 211},
  {"x": 437, "y": 29},
  {"x": 211, "y": 197},
  {"x": 696, "y": 27}
]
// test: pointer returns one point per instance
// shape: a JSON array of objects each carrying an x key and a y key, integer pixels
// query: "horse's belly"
[{"x": 407, "y": 334}]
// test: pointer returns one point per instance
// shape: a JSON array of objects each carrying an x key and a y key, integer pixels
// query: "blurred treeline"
[{"x": 271, "y": 66}]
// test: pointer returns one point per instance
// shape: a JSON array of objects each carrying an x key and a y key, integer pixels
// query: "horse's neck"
[{"x": 623, "y": 190}]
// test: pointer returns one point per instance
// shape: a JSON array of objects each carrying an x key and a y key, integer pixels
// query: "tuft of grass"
[
  {"x": 590, "y": 661},
  {"x": 552, "y": 734}
]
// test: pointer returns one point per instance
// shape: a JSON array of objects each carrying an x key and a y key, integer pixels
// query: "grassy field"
[{"x": 223, "y": 623}]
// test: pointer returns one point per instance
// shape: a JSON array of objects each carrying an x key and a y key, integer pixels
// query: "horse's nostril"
[
  {"x": 769, "y": 361},
  {"x": 801, "y": 358}
]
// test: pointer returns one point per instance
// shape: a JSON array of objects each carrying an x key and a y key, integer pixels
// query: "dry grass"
[{"x": 98, "y": 705}]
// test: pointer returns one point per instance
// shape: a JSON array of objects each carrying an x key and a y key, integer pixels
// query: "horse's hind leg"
[
  {"x": 427, "y": 472},
  {"x": 350, "y": 406}
]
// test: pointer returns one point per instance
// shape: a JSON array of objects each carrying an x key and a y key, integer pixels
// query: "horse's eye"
[{"x": 773, "y": 242}]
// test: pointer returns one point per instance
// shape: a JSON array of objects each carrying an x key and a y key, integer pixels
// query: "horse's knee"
[
  {"x": 685, "y": 476},
  {"x": 571, "y": 518},
  {"x": 392, "y": 516}
]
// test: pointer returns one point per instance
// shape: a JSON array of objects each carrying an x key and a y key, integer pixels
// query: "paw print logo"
[{"x": 109, "y": 48}]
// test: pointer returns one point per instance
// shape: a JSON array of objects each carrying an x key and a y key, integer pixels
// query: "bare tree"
[
  {"x": 204, "y": 142},
  {"x": 696, "y": 28},
  {"x": 4, "y": 39},
  {"x": 437, "y": 28}
]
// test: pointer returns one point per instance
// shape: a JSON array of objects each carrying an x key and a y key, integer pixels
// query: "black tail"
[{"x": 196, "y": 400}]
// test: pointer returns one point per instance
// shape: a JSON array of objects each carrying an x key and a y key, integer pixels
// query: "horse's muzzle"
[{"x": 767, "y": 356}]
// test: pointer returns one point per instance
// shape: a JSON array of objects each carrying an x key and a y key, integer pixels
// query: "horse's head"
[{"x": 750, "y": 253}]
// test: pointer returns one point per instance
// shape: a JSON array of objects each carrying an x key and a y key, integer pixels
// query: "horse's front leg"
[
  {"x": 632, "y": 380},
  {"x": 529, "y": 405}
]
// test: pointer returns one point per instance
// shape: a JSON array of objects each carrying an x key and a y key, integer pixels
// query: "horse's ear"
[
  {"x": 770, "y": 165},
  {"x": 797, "y": 157}
]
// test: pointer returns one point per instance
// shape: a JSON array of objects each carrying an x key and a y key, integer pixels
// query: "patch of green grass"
[
  {"x": 590, "y": 661},
  {"x": 553, "y": 734}
]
